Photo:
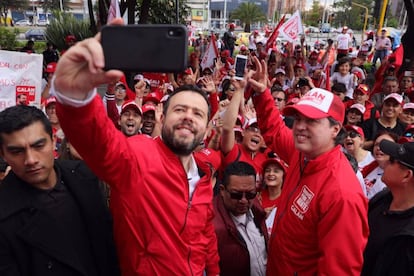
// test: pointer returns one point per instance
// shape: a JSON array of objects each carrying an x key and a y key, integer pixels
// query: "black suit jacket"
[{"x": 30, "y": 240}]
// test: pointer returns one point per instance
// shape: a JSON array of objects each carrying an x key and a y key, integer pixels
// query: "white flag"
[
  {"x": 210, "y": 55},
  {"x": 292, "y": 28},
  {"x": 113, "y": 11}
]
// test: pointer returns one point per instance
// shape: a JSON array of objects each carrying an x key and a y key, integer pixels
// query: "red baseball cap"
[
  {"x": 275, "y": 160},
  {"x": 147, "y": 107},
  {"x": 408, "y": 106},
  {"x": 51, "y": 67},
  {"x": 50, "y": 100},
  {"x": 152, "y": 97},
  {"x": 131, "y": 104},
  {"x": 358, "y": 107},
  {"x": 395, "y": 96},
  {"x": 356, "y": 129},
  {"x": 70, "y": 38},
  {"x": 318, "y": 103},
  {"x": 363, "y": 88}
]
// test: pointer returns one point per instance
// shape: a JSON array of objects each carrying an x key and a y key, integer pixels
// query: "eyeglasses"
[
  {"x": 279, "y": 99},
  {"x": 253, "y": 129},
  {"x": 408, "y": 134},
  {"x": 121, "y": 90},
  {"x": 352, "y": 134},
  {"x": 240, "y": 195}
]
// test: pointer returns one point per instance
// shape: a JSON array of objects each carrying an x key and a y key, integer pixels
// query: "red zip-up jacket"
[
  {"x": 158, "y": 228},
  {"x": 321, "y": 225}
]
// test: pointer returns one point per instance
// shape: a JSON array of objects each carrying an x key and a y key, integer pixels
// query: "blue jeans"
[{"x": 379, "y": 54}]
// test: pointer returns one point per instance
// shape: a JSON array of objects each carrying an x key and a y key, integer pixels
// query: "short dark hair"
[
  {"x": 189, "y": 87},
  {"x": 20, "y": 116},
  {"x": 389, "y": 78},
  {"x": 238, "y": 168},
  {"x": 339, "y": 87}
]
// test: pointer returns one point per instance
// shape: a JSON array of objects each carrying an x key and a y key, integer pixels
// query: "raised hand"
[{"x": 258, "y": 79}]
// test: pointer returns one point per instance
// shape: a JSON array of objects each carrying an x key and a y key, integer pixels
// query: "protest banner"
[
  {"x": 210, "y": 55},
  {"x": 292, "y": 28},
  {"x": 20, "y": 74}
]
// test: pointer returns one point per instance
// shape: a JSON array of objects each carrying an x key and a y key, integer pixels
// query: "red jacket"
[
  {"x": 158, "y": 228},
  {"x": 321, "y": 225},
  {"x": 234, "y": 255}
]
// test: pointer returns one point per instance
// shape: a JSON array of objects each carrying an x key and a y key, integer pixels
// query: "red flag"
[
  {"x": 210, "y": 55},
  {"x": 273, "y": 36}
]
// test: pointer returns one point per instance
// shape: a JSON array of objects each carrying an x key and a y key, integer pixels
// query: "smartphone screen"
[{"x": 240, "y": 66}]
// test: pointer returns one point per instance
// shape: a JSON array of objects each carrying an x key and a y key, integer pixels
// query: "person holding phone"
[{"x": 161, "y": 195}]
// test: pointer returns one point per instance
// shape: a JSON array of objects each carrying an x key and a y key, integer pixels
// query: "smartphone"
[
  {"x": 240, "y": 66},
  {"x": 145, "y": 48}
]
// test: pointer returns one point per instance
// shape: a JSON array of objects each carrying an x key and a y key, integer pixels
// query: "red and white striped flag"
[
  {"x": 113, "y": 11},
  {"x": 274, "y": 35},
  {"x": 210, "y": 55}
]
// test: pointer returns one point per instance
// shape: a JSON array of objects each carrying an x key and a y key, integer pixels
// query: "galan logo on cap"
[{"x": 318, "y": 98}]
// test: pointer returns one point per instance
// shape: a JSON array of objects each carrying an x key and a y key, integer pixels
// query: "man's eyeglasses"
[
  {"x": 240, "y": 195},
  {"x": 409, "y": 135},
  {"x": 279, "y": 99},
  {"x": 352, "y": 134},
  {"x": 121, "y": 90},
  {"x": 253, "y": 129}
]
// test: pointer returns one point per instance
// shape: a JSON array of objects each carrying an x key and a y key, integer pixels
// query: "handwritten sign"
[{"x": 20, "y": 76}]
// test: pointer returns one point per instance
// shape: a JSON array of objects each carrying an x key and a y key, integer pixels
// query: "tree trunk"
[
  {"x": 92, "y": 22},
  {"x": 144, "y": 12}
]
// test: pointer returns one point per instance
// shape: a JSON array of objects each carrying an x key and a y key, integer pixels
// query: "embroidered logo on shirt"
[{"x": 301, "y": 203}]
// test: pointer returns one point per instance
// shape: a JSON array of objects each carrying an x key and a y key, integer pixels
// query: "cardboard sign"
[{"x": 20, "y": 78}]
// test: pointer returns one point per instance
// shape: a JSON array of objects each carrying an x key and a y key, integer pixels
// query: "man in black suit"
[{"x": 53, "y": 218}]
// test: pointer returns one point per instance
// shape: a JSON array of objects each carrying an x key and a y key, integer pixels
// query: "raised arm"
[{"x": 230, "y": 117}]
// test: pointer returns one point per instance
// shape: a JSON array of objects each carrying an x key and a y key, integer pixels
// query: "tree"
[
  {"x": 351, "y": 15},
  {"x": 162, "y": 11},
  {"x": 66, "y": 24},
  {"x": 50, "y": 5},
  {"x": 248, "y": 13},
  {"x": 314, "y": 16},
  {"x": 7, "y": 38}
]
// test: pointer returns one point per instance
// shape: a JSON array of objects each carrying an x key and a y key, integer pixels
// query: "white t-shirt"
[
  {"x": 373, "y": 182},
  {"x": 343, "y": 40}
]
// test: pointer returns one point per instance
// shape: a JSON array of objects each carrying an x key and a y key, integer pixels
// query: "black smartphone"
[
  {"x": 145, "y": 48},
  {"x": 240, "y": 66}
]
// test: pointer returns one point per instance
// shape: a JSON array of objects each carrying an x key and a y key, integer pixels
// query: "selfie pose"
[{"x": 161, "y": 195}]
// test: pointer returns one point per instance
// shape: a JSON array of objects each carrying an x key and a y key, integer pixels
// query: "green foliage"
[
  {"x": 164, "y": 11},
  {"x": 65, "y": 24},
  {"x": 50, "y": 5},
  {"x": 248, "y": 13},
  {"x": 39, "y": 46},
  {"x": 392, "y": 22},
  {"x": 7, "y": 38},
  {"x": 351, "y": 15},
  {"x": 313, "y": 16}
]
